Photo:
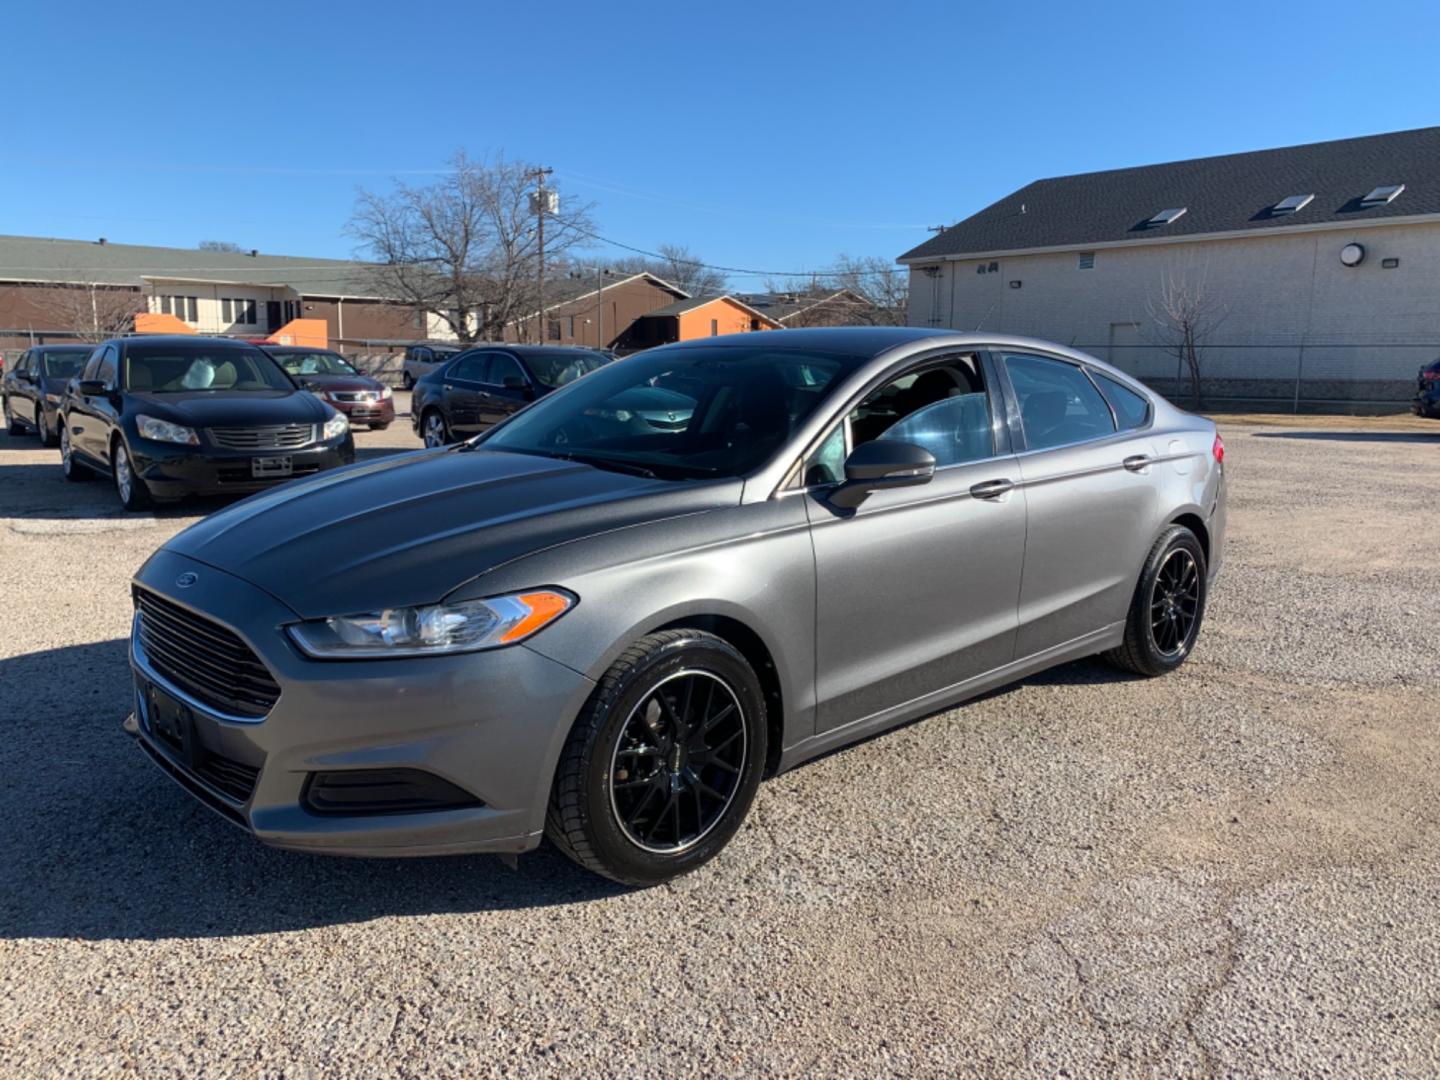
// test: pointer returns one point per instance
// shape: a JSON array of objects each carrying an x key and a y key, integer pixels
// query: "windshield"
[
  {"x": 314, "y": 363},
  {"x": 564, "y": 365},
  {"x": 694, "y": 412},
  {"x": 179, "y": 369},
  {"x": 62, "y": 364}
]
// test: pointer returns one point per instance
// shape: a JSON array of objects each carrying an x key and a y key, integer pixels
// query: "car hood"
[
  {"x": 201, "y": 408},
  {"x": 411, "y": 528},
  {"x": 338, "y": 382},
  {"x": 54, "y": 384}
]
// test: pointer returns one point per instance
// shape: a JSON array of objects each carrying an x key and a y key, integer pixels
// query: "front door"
[
  {"x": 497, "y": 400},
  {"x": 272, "y": 315},
  {"x": 463, "y": 387},
  {"x": 917, "y": 587}
]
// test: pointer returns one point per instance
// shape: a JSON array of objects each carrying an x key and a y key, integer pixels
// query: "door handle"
[
  {"x": 991, "y": 489},
  {"x": 1136, "y": 462}
]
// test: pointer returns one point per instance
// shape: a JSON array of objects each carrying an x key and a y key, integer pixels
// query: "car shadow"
[
  {"x": 99, "y": 845},
  {"x": 1356, "y": 436}
]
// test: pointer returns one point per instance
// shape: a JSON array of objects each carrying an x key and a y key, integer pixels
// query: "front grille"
[
  {"x": 204, "y": 659},
  {"x": 355, "y": 395},
  {"x": 276, "y": 437}
]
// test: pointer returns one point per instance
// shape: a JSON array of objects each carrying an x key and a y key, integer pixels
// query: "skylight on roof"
[
  {"x": 1166, "y": 217},
  {"x": 1383, "y": 194},
  {"x": 1291, "y": 203}
]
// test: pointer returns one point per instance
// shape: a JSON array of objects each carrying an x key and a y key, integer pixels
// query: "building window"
[
  {"x": 164, "y": 305},
  {"x": 570, "y": 332},
  {"x": 714, "y": 327},
  {"x": 250, "y": 316},
  {"x": 1086, "y": 260},
  {"x": 192, "y": 304},
  {"x": 225, "y": 311},
  {"x": 552, "y": 329}
]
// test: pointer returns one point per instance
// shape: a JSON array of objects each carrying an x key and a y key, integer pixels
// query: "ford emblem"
[{"x": 187, "y": 579}]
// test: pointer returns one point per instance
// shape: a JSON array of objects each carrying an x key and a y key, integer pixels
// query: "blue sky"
[{"x": 771, "y": 136}]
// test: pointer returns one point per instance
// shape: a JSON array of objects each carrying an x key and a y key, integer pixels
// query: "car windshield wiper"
[{"x": 615, "y": 464}]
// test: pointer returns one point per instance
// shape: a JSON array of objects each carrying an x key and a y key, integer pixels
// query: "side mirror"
[
  {"x": 881, "y": 465},
  {"x": 25, "y": 376},
  {"x": 93, "y": 388}
]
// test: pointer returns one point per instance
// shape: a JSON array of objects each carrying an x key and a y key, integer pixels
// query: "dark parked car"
[
  {"x": 166, "y": 417},
  {"x": 31, "y": 390},
  {"x": 485, "y": 385},
  {"x": 1427, "y": 392},
  {"x": 582, "y": 627},
  {"x": 362, "y": 399}
]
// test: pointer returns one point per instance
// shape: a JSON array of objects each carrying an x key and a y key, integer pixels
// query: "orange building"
[{"x": 698, "y": 317}]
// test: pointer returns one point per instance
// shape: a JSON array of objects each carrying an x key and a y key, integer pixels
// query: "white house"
[{"x": 1315, "y": 269}]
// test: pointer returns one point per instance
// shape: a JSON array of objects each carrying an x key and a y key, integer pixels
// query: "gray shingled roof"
[
  {"x": 30, "y": 258},
  {"x": 1232, "y": 193},
  {"x": 682, "y": 306}
]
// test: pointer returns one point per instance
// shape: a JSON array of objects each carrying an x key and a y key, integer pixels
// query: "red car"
[{"x": 362, "y": 399}]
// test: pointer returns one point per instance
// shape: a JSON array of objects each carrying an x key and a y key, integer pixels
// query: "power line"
[{"x": 744, "y": 271}]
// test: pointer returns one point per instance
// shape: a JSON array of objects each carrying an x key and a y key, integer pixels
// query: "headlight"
[
  {"x": 386, "y": 393},
  {"x": 53, "y": 399},
  {"x": 464, "y": 626},
  {"x": 336, "y": 426},
  {"x": 165, "y": 431}
]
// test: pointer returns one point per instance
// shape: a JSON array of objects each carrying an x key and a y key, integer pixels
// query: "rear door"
[
  {"x": 17, "y": 389},
  {"x": 1092, "y": 501},
  {"x": 94, "y": 415},
  {"x": 462, "y": 387}
]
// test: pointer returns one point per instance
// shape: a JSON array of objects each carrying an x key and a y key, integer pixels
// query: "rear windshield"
[
  {"x": 63, "y": 364},
  {"x": 184, "y": 369},
  {"x": 313, "y": 363}
]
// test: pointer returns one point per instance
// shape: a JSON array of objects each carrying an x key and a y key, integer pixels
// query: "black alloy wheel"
[
  {"x": 1167, "y": 608},
  {"x": 70, "y": 468},
  {"x": 663, "y": 762},
  {"x": 677, "y": 763}
]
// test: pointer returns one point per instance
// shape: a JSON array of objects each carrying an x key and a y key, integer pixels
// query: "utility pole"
[{"x": 540, "y": 202}]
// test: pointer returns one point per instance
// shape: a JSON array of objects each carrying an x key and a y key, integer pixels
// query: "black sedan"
[
  {"x": 1427, "y": 392},
  {"x": 30, "y": 392},
  {"x": 483, "y": 386},
  {"x": 167, "y": 417}
]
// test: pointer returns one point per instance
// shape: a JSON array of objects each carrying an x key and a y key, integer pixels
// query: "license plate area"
[
  {"x": 267, "y": 467},
  {"x": 171, "y": 723}
]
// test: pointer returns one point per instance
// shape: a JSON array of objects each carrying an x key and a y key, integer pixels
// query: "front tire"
[
  {"x": 70, "y": 467},
  {"x": 407, "y": 381},
  {"x": 664, "y": 761},
  {"x": 1168, "y": 606},
  {"x": 13, "y": 426},
  {"x": 434, "y": 430},
  {"x": 134, "y": 495},
  {"x": 379, "y": 427}
]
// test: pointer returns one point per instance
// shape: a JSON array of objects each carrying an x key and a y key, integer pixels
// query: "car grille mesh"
[
  {"x": 349, "y": 396},
  {"x": 277, "y": 437},
  {"x": 204, "y": 659}
]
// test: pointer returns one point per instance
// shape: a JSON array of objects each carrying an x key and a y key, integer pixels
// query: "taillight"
[
  {"x": 1218, "y": 449},
  {"x": 1430, "y": 376}
]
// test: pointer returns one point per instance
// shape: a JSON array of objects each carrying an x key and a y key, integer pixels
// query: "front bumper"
[
  {"x": 490, "y": 723},
  {"x": 172, "y": 471}
]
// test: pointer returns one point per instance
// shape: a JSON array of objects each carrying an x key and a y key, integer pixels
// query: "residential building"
[
  {"x": 54, "y": 288},
  {"x": 815, "y": 307},
  {"x": 596, "y": 311},
  {"x": 696, "y": 317},
  {"x": 1313, "y": 272}
]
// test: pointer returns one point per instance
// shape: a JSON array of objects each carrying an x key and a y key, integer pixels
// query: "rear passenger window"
[
  {"x": 1132, "y": 410},
  {"x": 1058, "y": 403}
]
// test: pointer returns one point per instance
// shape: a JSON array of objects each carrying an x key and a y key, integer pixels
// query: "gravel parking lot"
[{"x": 1233, "y": 869}]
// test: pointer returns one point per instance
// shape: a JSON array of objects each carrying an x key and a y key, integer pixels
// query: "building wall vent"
[{"x": 1086, "y": 260}]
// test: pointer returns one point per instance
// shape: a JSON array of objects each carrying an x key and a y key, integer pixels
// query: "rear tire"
[
  {"x": 664, "y": 761},
  {"x": 379, "y": 427},
  {"x": 42, "y": 429},
  {"x": 407, "y": 381},
  {"x": 1168, "y": 606}
]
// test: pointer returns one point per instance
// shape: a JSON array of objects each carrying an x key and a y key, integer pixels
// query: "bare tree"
[
  {"x": 218, "y": 245},
  {"x": 1185, "y": 316},
  {"x": 96, "y": 312},
  {"x": 465, "y": 247},
  {"x": 882, "y": 289},
  {"x": 679, "y": 266}
]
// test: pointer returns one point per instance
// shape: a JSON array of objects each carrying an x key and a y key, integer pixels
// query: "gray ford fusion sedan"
[{"x": 604, "y": 627}]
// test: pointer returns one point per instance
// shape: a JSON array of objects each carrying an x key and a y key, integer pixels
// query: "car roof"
[
  {"x": 182, "y": 339},
  {"x": 67, "y": 347}
]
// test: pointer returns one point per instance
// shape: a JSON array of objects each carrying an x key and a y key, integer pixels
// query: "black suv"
[
  {"x": 1427, "y": 392},
  {"x": 166, "y": 417},
  {"x": 31, "y": 390},
  {"x": 483, "y": 386}
]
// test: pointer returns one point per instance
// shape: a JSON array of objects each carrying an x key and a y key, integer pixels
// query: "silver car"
[{"x": 582, "y": 626}]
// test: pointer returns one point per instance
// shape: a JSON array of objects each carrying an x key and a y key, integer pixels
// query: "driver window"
[
  {"x": 503, "y": 367},
  {"x": 942, "y": 407}
]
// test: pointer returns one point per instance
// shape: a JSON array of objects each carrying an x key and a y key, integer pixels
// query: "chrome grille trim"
[{"x": 274, "y": 437}]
